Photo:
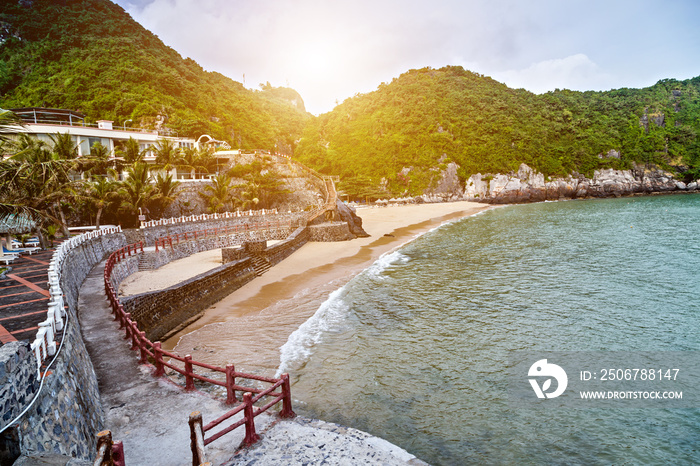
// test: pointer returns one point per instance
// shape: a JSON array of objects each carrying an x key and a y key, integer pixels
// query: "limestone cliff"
[{"x": 529, "y": 186}]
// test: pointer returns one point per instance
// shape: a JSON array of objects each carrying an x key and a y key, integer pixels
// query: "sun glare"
[{"x": 315, "y": 58}]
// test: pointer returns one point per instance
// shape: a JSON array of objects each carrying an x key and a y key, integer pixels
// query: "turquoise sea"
[{"x": 415, "y": 348}]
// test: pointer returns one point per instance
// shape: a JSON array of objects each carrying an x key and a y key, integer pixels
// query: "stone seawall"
[
  {"x": 328, "y": 232},
  {"x": 19, "y": 382},
  {"x": 65, "y": 414},
  {"x": 159, "y": 312},
  {"x": 280, "y": 251},
  {"x": 149, "y": 235}
]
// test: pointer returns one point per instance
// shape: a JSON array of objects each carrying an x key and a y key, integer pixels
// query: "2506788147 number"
[{"x": 638, "y": 374}]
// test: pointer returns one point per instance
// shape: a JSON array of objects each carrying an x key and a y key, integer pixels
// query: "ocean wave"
[
  {"x": 299, "y": 346},
  {"x": 332, "y": 313}
]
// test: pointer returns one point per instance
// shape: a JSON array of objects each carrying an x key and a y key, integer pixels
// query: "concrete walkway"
[{"x": 149, "y": 415}]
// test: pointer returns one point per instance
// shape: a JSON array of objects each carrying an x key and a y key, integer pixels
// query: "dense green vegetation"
[
  {"x": 407, "y": 129},
  {"x": 51, "y": 185},
  {"x": 91, "y": 56}
]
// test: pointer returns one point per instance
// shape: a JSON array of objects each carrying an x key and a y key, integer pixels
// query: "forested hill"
[
  {"x": 426, "y": 118},
  {"x": 91, "y": 56}
]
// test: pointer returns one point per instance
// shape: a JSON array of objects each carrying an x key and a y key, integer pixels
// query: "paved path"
[{"x": 150, "y": 415}]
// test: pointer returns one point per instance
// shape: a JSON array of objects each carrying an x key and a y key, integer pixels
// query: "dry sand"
[{"x": 313, "y": 265}]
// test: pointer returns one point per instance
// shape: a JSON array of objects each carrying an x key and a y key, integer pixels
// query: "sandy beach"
[{"x": 252, "y": 323}]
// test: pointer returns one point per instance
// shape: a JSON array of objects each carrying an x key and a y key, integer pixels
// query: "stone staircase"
[
  {"x": 260, "y": 264},
  {"x": 146, "y": 262}
]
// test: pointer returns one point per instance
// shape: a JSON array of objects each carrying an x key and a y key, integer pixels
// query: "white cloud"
[
  {"x": 576, "y": 72},
  {"x": 331, "y": 50}
]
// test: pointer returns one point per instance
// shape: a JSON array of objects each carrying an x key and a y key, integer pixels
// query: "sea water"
[{"x": 414, "y": 349}]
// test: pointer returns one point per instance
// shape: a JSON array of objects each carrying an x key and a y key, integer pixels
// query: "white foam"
[
  {"x": 332, "y": 313},
  {"x": 299, "y": 346}
]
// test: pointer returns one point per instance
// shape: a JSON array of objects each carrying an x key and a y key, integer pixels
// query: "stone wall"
[
  {"x": 66, "y": 414},
  {"x": 149, "y": 235},
  {"x": 18, "y": 383},
  {"x": 336, "y": 231},
  {"x": 159, "y": 312},
  {"x": 232, "y": 254},
  {"x": 280, "y": 251}
]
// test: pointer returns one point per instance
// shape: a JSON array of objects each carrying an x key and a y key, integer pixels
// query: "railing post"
[
  {"x": 135, "y": 334},
  {"x": 119, "y": 315},
  {"x": 196, "y": 438},
  {"x": 156, "y": 244},
  {"x": 104, "y": 448},
  {"x": 189, "y": 380},
  {"x": 287, "y": 398},
  {"x": 230, "y": 382},
  {"x": 142, "y": 345},
  {"x": 127, "y": 325},
  {"x": 250, "y": 436},
  {"x": 141, "y": 243},
  {"x": 158, "y": 356},
  {"x": 118, "y": 453}
]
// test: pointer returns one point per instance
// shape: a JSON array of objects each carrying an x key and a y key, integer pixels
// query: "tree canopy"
[
  {"x": 406, "y": 130},
  {"x": 91, "y": 56}
]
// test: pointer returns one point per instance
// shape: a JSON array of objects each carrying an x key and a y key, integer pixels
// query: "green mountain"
[
  {"x": 91, "y": 56},
  {"x": 407, "y": 129}
]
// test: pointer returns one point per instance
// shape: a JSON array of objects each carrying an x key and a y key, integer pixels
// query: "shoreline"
[{"x": 310, "y": 274}]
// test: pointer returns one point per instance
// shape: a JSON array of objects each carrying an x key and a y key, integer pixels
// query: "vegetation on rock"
[{"x": 401, "y": 135}]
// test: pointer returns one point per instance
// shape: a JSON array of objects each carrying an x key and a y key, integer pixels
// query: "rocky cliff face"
[{"x": 529, "y": 186}]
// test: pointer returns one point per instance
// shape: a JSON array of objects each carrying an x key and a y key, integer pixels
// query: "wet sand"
[{"x": 250, "y": 325}]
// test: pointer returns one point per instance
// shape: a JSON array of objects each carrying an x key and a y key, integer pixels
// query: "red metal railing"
[
  {"x": 109, "y": 453},
  {"x": 164, "y": 241},
  {"x": 152, "y": 351}
]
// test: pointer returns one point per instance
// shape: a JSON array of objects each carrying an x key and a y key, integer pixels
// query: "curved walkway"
[{"x": 150, "y": 415}]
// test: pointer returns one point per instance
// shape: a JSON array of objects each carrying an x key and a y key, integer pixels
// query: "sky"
[{"x": 332, "y": 50}]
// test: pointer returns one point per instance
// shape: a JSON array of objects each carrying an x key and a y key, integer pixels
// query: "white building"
[{"x": 43, "y": 122}]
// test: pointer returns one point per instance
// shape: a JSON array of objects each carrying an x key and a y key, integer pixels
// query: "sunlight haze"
[{"x": 329, "y": 51}]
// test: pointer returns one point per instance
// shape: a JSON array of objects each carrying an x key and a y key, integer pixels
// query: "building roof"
[{"x": 47, "y": 115}]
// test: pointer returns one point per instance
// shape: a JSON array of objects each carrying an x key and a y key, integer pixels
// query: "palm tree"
[
  {"x": 64, "y": 146},
  {"x": 36, "y": 177},
  {"x": 99, "y": 162},
  {"x": 164, "y": 194},
  {"x": 208, "y": 161},
  {"x": 218, "y": 195},
  {"x": 100, "y": 193},
  {"x": 189, "y": 161},
  {"x": 136, "y": 190},
  {"x": 167, "y": 154},
  {"x": 8, "y": 123},
  {"x": 129, "y": 153}
]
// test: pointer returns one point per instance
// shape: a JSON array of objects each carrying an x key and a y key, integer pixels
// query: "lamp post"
[{"x": 125, "y": 121}]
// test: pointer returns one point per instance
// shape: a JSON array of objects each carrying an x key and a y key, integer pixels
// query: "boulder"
[{"x": 348, "y": 215}]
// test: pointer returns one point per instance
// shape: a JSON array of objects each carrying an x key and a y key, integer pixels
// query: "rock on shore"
[{"x": 528, "y": 186}]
